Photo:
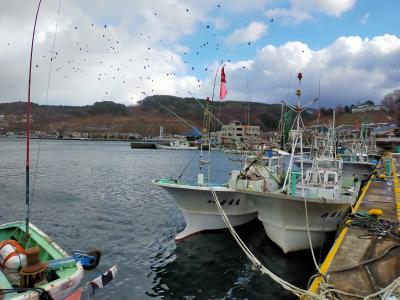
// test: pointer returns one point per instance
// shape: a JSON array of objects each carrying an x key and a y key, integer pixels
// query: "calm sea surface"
[{"x": 99, "y": 194}]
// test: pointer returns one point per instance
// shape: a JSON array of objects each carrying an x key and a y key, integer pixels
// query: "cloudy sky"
[{"x": 122, "y": 50}]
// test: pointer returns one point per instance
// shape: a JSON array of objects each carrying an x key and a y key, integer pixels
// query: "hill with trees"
[{"x": 149, "y": 114}]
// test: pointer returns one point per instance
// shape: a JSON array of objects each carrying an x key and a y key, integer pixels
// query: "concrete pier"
[{"x": 362, "y": 262}]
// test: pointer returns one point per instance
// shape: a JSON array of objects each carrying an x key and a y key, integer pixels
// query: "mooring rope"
[
  {"x": 285, "y": 284},
  {"x": 309, "y": 237},
  {"x": 326, "y": 290}
]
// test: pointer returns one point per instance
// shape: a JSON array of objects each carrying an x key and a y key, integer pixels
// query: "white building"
[
  {"x": 237, "y": 133},
  {"x": 366, "y": 107}
]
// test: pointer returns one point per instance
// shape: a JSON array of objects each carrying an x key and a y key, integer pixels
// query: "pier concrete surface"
[{"x": 365, "y": 258}]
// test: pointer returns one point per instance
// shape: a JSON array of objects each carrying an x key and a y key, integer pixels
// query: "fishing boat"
[
  {"x": 176, "y": 145},
  {"x": 311, "y": 202},
  {"x": 195, "y": 202},
  {"x": 325, "y": 145},
  {"x": 360, "y": 169},
  {"x": 32, "y": 265},
  {"x": 314, "y": 205},
  {"x": 54, "y": 273}
]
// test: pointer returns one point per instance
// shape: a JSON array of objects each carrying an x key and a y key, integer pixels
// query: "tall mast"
[
  {"x": 207, "y": 120},
  {"x": 319, "y": 103},
  {"x": 215, "y": 80},
  {"x": 334, "y": 134},
  {"x": 246, "y": 98},
  {"x": 28, "y": 208},
  {"x": 297, "y": 136},
  {"x": 248, "y": 108},
  {"x": 281, "y": 128},
  {"x": 299, "y": 132}
]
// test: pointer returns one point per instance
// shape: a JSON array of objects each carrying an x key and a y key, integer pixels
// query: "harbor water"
[{"x": 100, "y": 194}]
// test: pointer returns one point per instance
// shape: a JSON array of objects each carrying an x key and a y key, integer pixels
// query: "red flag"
[
  {"x": 357, "y": 125},
  {"x": 222, "y": 90}
]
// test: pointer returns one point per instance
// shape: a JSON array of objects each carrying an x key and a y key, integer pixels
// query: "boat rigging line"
[
  {"x": 175, "y": 115},
  {"x": 210, "y": 112},
  {"x": 46, "y": 101},
  {"x": 186, "y": 167},
  {"x": 188, "y": 124}
]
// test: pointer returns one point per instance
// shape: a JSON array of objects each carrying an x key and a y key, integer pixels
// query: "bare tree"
[{"x": 392, "y": 103}]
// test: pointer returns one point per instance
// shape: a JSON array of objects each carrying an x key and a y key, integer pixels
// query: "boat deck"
[{"x": 355, "y": 245}]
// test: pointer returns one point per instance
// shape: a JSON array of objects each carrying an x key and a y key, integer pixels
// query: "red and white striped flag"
[
  {"x": 97, "y": 283},
  {"x": 222, "y": 90}
]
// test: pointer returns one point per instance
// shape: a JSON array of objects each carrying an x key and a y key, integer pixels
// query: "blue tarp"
[{"x": 195, "y": 132}]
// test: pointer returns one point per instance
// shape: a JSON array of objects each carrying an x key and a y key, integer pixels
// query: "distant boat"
[
  {"x": 176, "y": 145},
  {"x": 237, "y": 151}
]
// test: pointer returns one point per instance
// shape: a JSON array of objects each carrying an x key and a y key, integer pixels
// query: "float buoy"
[
  {"x": 375, "y": 212},
  {"x": 12, "y": 255}
]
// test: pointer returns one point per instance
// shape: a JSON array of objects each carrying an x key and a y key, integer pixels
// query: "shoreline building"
[
  {"x": 237, "y": 134},
  {"x": 366, "y": 107}
]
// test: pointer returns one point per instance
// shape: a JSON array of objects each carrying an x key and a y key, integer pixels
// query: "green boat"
[
  {"x": 32, "y": 265},
  {"x": 59, "y": 280}
]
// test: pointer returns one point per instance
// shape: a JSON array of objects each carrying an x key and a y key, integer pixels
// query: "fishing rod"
[{"x": 28, "y": 126}]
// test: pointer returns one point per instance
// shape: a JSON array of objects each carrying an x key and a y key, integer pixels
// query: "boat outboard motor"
[{"x": 90, "y": 259}]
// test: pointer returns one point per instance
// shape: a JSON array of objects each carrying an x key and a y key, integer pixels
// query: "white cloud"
[
  {"x": 351, "y": 69},
  {"x": 242, "y": 5},
  {"x": 130, "y": 61},
  {"x": 364, "y": 19},
  {"x": 94, "y": 63},
  {"x": 220, "y": 23},
  {"x": 334, "y": 7},
  {"x": 253, "y": 32},
  {"x": 302, "y": 10}
]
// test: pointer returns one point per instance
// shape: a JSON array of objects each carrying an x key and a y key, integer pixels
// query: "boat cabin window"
[
  {"x": 273, "y": 162},
  {"x": 331, "y": 178},
  {"x": 313, "y": 177}
]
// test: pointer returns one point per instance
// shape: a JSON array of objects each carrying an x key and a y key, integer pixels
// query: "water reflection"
[{"x": 211, "y": 266}]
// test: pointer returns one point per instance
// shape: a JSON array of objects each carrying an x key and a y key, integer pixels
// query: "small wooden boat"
[
  {"x": 55, "y": 273},
  {"x": 32, "y": 266}
]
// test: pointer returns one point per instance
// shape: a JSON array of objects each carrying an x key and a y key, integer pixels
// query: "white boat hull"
[
  {"x": 284, "y": 219},
  {"x": 165, "y": 147},
  {"x": 197, "y": 206}
]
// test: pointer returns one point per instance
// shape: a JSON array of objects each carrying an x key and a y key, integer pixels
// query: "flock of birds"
[{"x": 83, "y": 59}]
